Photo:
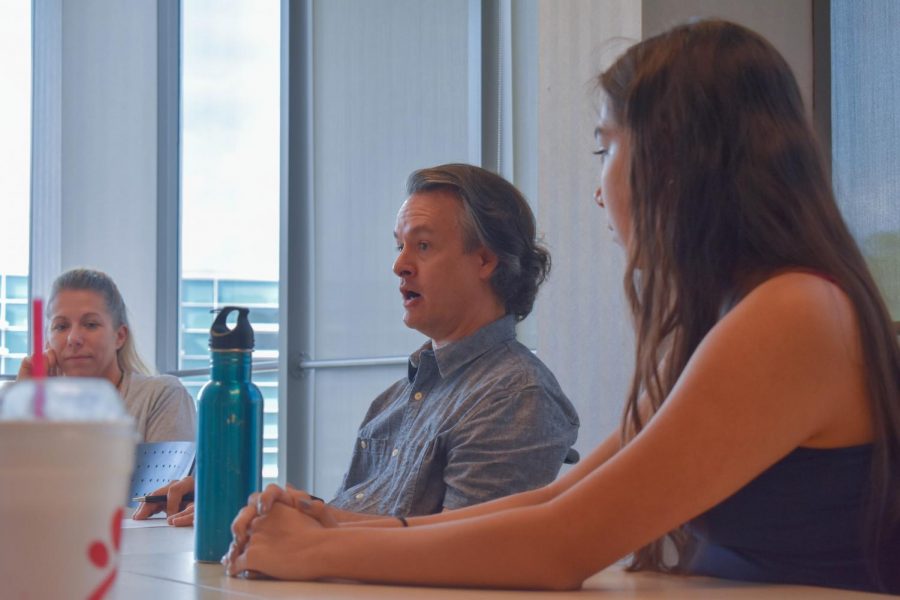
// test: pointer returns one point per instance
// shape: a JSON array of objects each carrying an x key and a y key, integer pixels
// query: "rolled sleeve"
[{"x": 510, "y": 444}]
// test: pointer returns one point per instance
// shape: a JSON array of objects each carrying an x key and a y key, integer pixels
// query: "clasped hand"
[{"x": 273, "y": 533}]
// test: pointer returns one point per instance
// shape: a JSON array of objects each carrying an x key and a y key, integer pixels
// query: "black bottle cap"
[{"x": 239, "y": 338}]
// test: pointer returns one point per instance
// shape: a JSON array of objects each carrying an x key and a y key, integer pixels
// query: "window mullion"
[{"x": 168, "y": 174}]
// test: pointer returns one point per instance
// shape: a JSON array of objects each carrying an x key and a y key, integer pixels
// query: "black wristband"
[{"x": 403, "y": 521}]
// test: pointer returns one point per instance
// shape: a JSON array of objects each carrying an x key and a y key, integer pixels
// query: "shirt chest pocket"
[
  {"x": 370, "y": 457},
  {"x": 385, "y": 478}
]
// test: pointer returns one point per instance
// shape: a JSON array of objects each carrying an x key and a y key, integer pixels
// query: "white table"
[{"x": 158, "y": 562}]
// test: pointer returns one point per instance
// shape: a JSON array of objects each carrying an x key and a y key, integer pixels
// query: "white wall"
[
  {"x": 787, "y": 24},
  {"x": 584, "y": 327},
  {"x": 104, "y": 161}
]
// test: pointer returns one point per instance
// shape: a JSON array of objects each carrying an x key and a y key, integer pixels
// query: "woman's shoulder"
[
  {"x": 800, "y": 331},
  {"x": 794, "y": 299},
  {"x": 154, "y": 384},
  {"x": 796, "y": 285},
  {"x": 805, "y": 309}
]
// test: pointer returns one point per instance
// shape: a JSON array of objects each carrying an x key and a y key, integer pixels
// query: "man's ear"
[{"x": 487, "y": 262}]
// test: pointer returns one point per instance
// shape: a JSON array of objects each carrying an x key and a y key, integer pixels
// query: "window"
[
  {"x": 377, "y": 90},
  {"x": 230, "y": 185},
  {"x": 15, "y": 158},
  {"x": 384, "y": 88},
  {"x": 864, "y": 84}
]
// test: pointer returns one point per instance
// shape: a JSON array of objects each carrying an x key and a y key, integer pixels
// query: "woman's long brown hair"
[{"x": 728, "y": 181}]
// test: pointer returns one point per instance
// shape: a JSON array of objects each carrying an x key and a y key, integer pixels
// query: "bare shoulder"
[
  {"x": 809, "y": 308},
  {"x": 800, "y": 332},
  {"x": 800, "y": 290},
  {"x": 772, "y": 375}
]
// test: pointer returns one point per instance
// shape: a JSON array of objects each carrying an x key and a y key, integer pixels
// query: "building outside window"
[{"x": 13, "y": 322}]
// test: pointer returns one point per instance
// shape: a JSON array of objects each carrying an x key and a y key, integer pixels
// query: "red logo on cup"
[{"x": 99, "y": 555}]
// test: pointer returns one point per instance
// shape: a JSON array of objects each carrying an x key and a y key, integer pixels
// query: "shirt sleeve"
[
  {"x": 173, "y": 414},
  {"x": 509, "y": 444}
]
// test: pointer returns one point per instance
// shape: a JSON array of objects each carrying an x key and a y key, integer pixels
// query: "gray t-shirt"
[
  {"x": 475, "y": 420},
  {"x": 162, "y": 409}
]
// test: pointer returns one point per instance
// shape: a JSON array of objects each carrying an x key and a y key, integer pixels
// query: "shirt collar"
[{"x": 457, "y": 354}]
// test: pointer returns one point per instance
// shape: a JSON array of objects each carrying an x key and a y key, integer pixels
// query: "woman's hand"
[
  {"x": 184, "y": 518},
  {"x": 51, "y": 364},
  {"x": 181, "y": 514},
  {"x": 262, "y": 502},
  {"x": 275, "y": 544}
]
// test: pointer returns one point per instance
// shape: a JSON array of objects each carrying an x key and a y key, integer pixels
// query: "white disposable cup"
[{"x": 63, "y": 487}]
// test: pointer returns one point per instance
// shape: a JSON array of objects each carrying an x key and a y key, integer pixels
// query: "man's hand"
[
  {"x": 184, "y": 518},
  {"x": 180, "y": 513}
]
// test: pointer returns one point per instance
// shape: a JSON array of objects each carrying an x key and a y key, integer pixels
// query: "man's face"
[{"x": 446, "y": 291}]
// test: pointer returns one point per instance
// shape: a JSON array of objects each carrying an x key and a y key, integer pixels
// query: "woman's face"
[
  {"x": 83, "y": 335},
  {"x": 614, "y": 193}
]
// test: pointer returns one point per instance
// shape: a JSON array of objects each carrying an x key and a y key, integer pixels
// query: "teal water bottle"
[{"x": 229, "y": 436}]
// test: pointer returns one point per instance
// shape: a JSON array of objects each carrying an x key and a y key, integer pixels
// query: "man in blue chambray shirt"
[{"x": 478, "y": 415}]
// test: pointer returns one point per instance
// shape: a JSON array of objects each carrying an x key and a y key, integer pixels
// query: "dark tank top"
[{"x": 801, "y": 521}]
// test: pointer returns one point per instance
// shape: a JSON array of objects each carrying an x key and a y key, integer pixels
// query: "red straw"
[
  {"x": 38, "y": 371},
  {"x": 37, "y": 327}
]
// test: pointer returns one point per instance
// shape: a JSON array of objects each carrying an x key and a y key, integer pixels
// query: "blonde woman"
[{"x": 89, "y": 336}]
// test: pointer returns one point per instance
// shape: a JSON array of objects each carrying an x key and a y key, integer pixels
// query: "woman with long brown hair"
[{"x": 762, "y": 430}]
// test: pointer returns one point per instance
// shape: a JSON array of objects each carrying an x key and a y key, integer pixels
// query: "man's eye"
[
  {"x": 58, "y": 327},
  {"x": 399, "y": 247},
  {"x": 423, "y": 245},
  {"x": 600, "y": 152}
]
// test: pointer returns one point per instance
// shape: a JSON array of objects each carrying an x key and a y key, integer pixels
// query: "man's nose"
[{"x": 402, "y": 266}]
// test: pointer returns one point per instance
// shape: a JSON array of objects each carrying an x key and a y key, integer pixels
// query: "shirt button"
[
  {"x": 359, "y": 496},
  {"x": 362, "y": 445},
  {"x": 395, "y": 452},
  {"x": 418, "y": 395}
]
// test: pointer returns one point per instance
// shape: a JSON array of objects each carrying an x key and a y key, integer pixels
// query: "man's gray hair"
[{"x": 497, "y": 216}]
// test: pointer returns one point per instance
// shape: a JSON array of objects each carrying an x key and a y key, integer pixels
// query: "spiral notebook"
[{"x": 158, "y": 463}]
